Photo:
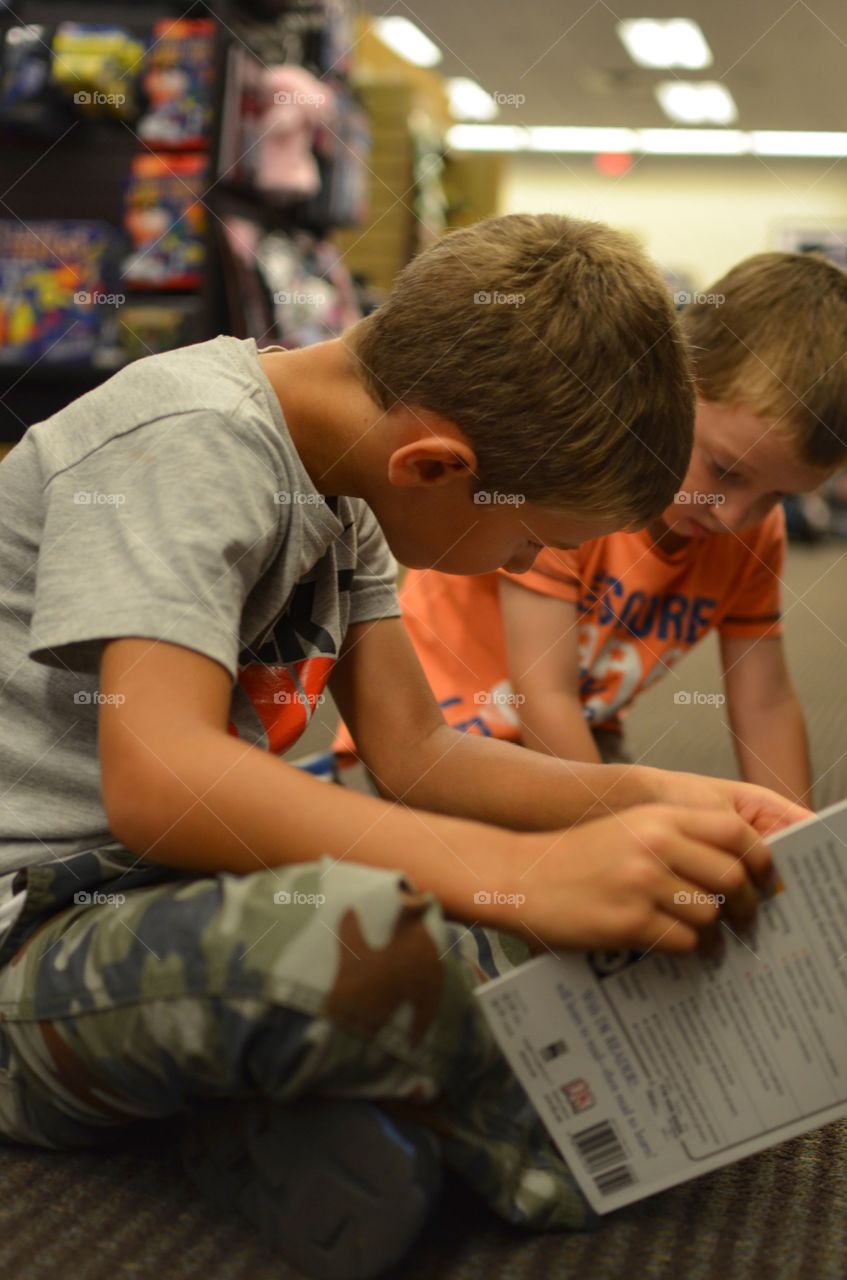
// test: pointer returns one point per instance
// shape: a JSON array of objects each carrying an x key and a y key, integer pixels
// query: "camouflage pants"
[{"x": 129, "y": 990}]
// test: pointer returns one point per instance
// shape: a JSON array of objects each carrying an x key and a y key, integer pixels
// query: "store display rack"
[{"x": 83, "y": 175}]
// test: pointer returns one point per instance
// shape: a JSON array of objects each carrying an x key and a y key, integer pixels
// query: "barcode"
[{"x": 604, "y": 1157}]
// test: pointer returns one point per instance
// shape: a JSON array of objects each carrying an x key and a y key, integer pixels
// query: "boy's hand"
[
  {"x": 765, "y": 810},
  {"x": 653, "y": 876}
]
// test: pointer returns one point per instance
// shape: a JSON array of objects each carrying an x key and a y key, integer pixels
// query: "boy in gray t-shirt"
[
  {"x": 169, "y": 503},
  {"x": 190, "y": 555}
]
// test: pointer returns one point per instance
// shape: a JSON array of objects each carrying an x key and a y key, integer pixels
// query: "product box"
[
  {"x": 166, "y": 221},
  {"x": 178, "y": 80},
  {"x": 58, "y": 289}
]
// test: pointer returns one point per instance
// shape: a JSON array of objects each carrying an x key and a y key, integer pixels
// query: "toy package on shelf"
[
  {"x": 313, "y": 294},
  {"x": 292, "y": 286},
  {"x": 166, "y": 221},
  {"x": 30, "y": 102},
  {"x": 341, "y": 153},
  {"x": 58, "y": 293},
  {"x": 178, "y": 79},
  {"x": 299, "y": 141},
  {"x": 297, "y": 105},
  {"x": 148, "y": 327},
  {"x": 316, "y": 34},
  {"x": 98, "y": 66}
]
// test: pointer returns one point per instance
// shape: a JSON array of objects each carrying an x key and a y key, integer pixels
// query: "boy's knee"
[{"x": 381, "y": 952}]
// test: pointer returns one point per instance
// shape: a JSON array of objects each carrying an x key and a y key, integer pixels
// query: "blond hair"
[
  {"x": 772, "y": 335},
  {"x": 553, "y": 345}
]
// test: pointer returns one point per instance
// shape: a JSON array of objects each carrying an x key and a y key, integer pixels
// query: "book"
[{"x": 652, "y": 1069}]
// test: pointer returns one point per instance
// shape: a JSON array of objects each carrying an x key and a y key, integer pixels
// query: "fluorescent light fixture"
[
  {"x": 488, "y": 137},
  {"x": 788, "y": 142},
  {"x": 547, "y": 138},
  {"x": 667, "y": 142},
  {"x": 694, "y": 142},
  {"x": 665, "y": 42},
  {"x": 697, "y": 102},
  {"x": 469, "y": 101},
  {"x": 409, "y": 41}
]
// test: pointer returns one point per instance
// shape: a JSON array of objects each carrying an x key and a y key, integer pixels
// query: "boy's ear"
[{"x": 432, "y": 459}]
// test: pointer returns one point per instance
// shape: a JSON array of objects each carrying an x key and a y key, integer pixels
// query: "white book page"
[{"x": 650, "y": 1070}]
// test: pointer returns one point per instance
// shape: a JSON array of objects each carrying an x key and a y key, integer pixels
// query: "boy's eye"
[{"x": 724, "y": 473}]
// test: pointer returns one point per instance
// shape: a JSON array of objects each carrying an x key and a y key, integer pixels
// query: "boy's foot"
[{"x": 336, "y": 1188}]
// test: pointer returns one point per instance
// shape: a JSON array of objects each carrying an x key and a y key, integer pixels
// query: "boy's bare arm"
[
  {"x": 542, "y": 646},
  {"x": 415, "y": 757},
  {"x": 179, "y": 789},
  {"x": 768, "y": 726}
]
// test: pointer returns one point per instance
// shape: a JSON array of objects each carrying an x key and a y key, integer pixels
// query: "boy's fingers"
[
  {"x": 737, "y": 902},
  {"x": 730, "y": 834},
  {"x": 741, "y": 906},
  {"x": 721, "y": 873},
  {"x": 767, "y": 811},
  {"x": 666, "y": 933},
  {"x": 705, "y": 868},
  {"x": 688, "y": 901},
  {"x": 712, "y": 940}
]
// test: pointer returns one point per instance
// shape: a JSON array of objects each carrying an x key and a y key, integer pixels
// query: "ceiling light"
[
  {"x": 488, "y": 137},
  {"x": 668, "y": 42},
  {"x": 696, "y": 102},
  {"x": 694, "y": 142},
  {"x": 796, "y": 142},
  {"x": 409, "y": 41},
  {"x": 668, "y": 142},
  {"x": 552, "y": 138},
  {"x": 786, "y": 144},
  {"x": 469, "y": 101}
]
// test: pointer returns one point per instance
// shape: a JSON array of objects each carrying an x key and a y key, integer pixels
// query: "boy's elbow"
[
  {"x": 125, "y": 827},
  {"x": 134, "y": 809}
]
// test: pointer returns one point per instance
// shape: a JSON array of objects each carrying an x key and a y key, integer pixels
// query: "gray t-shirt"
[{"x": 168, "y": 503}]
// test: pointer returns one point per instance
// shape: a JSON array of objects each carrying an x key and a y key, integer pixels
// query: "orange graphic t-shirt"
[{"x": 639, "y": 609}]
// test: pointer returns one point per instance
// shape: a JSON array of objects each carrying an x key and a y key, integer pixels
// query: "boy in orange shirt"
[{"x": 553, "y": 658}]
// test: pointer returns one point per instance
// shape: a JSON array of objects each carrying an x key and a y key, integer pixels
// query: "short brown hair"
[
  {"x": 772, "y": 335},
  {"x": 553, "y": 345}
]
